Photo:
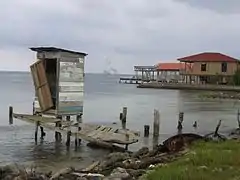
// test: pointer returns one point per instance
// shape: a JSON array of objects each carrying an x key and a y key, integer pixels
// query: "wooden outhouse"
[{"x": 58, "y": 76}]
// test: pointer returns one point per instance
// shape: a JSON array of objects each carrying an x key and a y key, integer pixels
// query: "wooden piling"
[
  {"x": 156, "y": 123},
  {"x": 124, "y": 117},
  {"x": 58, "y": 135},
  {"x": 68, "y": 118},
  {"x": 79, "y": 121},
  {"x": 121, "y": 116},
  {"x": 10, "y": 115},
  {"x": 180, "y": 121},
  {"x": 36, "y": 131},
  {"x": 42, "y": 132},
  {"x": 217, "y": 128},
  {"x": 238, "y": 118},
  {"x": 146, "y": 130}
]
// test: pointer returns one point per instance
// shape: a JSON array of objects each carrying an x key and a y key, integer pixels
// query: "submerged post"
[
  {"x": 69, "y": 132},
  {"x": 79, "y": 121},
  {"x": 238, "y": 118},
  {"x": 42, "y": 132},
  {"x": 36, "y": 131},
  {"x": 180, "y": 121},
  {"x": 10, "y": 115},
  {"x": 124, "y": 117},
  {"x": 58, "y": 125},
  {"x": 146, "y": 130},
  {"x": 156, "y": 123}
]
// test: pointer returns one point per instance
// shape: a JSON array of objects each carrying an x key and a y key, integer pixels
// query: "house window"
[
  {"x": 224, "y": 67},
  {"x": 204, "y": 67}
]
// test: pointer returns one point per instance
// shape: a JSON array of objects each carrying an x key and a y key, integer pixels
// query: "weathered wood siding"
[
  {"x": 41, "y": 85},
  {"x": 71, "y": 84}
]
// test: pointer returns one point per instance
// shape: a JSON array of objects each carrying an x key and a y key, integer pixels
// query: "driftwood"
[{"x": 215, "y": 136}]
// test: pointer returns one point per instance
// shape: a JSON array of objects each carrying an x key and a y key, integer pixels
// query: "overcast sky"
[{"x": 118, "y": 33}]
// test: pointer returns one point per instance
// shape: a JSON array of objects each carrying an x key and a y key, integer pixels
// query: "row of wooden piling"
[
  {"x": 123, "y": 119},
  {"x": 58, "y": 136},
  {"x": 156, "y": 124}
]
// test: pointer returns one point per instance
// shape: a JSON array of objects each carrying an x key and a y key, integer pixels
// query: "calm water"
[{"x": 104, "y": 99}]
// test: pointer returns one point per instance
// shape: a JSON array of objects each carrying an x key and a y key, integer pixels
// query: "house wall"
[{"x": 213, "y": 68}]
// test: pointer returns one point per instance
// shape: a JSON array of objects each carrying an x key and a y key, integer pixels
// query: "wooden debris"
[
  {"x": 89, "y": 132},
  {"x": 215, "y": 136},
  {"x": 61, "y": 172}
]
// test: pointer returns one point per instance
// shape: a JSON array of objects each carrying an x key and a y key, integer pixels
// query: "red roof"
[
  {"x": 208, "y": 57},
  {"x": 170, "y": 66}
]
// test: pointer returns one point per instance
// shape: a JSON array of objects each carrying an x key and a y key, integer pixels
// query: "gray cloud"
[
  {"x": 127, "y": 33},
  {"x": 221, "y": 6}
]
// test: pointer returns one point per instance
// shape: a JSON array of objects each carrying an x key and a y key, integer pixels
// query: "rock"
[
  {"x": 136, "y": 173},
  {"x": 203, "y": 167},
  {"x": 119, "y": 173},
  {"x": 8, "y": 171},
  {"x": 140, "y": 152}
]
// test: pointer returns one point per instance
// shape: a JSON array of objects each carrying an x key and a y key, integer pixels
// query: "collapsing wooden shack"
[{"x": 58, "y": 77}]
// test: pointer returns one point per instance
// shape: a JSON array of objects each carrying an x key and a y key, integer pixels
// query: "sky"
[{"x": 118, "y": 34}]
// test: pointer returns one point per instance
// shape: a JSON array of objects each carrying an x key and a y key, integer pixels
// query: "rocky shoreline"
[
  {"x": 222, "y": 95},
  {"x": 117, "y": 165}
]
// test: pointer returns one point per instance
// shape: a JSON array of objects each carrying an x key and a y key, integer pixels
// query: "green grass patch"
[{"x": 205, "y": 161}]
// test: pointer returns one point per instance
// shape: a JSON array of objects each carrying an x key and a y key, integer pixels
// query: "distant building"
[
  {"x": 209, "y": 67},
  {"x": 169, "y": 71}
]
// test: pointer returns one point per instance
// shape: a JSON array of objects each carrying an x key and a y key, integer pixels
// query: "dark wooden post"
[
  {"x": 146, "y": 130},
  {"x": 36, "y": 131},
  {"x": 58, "y": 135},
  {"x": 10, "y": 115},
  {"x": 217, "y": 128},
  {"x": 156, "y": 123},
  {"x": 79, "y": 121},
  {"x": 238, "y": 118},
  {"x": 180, "y": 121},
  {"x": 33, "y": 108},
  {"x": 124, "y": 117},
  {"x": 42, "y": 132},
  {"x": 69, "y": 132}
]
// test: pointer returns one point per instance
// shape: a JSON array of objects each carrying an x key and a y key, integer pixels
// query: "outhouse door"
[{"x": 41, "y": 85}]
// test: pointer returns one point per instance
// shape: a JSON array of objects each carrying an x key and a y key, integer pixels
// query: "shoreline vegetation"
[
  {"x": 183, "y": 156},
  {"x": 203, "y": 161}
]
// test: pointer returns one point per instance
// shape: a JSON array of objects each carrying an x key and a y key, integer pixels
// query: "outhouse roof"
[{"x": 54, "y": 49}]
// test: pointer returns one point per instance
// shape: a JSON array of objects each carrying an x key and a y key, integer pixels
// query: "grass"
[{"x": 205, "y": 161}]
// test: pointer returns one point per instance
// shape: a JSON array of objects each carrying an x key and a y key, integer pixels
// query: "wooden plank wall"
[{"x": 71, "y": 85}]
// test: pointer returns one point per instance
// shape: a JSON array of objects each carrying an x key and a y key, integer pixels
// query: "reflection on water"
[{"x": 103, "y": 101}]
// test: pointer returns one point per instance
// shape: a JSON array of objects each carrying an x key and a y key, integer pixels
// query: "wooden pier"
[
  {"x": 103, "y": 136},
  {"x": 142, "y": 74},
  {"x": 182, "y": 86},
  {"x": 130, "y": 80}
]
